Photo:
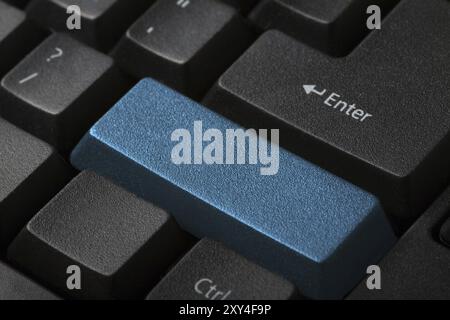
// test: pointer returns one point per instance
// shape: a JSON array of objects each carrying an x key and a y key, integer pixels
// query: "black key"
[
  {"x": 31, "y": 173},
  {"x": 14, "y": 286},
  {"x": 185, "y": 44},
  {"x": 334, "y": 26},
  {"x": 102, "y": 22},
  {"x": 17, "y": 37},
  {"x": 59, "y": 90},
  {"x": 121, "y": 243},
  {"x": 360, "y": 117},
  {"x": 417, "y": 268},
  {"x": 212, "y": 272},
  {"x": 445, "y": 233}
]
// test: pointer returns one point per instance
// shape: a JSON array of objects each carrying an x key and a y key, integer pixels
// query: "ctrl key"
[{"x": 210, "y": 271}]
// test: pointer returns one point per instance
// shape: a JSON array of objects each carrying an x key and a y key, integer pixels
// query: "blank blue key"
[{"x": 314, "y": 228}]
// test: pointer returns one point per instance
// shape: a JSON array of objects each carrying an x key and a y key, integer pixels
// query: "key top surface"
[
  {"x": 30, "y": 174},
  {"x": 10, "y": 19},
  {"x": 121, "y": 243},
  {"x": 185, "y": 44},
  {"x": 210, "y": 271},
  {"x": 102, "y": 22},
  {"x": 417, "y": 268},
  {"x": 310, "y": 226},
  {"x": 377, "y": 117},
  {"x": 333, "y": 26},
  {"x": 59, "y": 90},
  {"x": 14, "y": 286}
]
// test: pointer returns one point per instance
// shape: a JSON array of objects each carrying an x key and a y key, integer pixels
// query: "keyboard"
[{"x": 221, "y": 150}]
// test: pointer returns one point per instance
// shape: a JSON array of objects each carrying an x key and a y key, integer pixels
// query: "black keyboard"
[{"x": 224, "y": 150}]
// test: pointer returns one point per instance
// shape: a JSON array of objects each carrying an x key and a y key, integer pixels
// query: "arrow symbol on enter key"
[{"x": 312, "y": 89}]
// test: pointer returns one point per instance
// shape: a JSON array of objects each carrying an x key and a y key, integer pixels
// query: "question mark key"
[{"x": 50, "y": 92}]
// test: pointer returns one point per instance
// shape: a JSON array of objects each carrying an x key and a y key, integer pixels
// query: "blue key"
[{"x": 295, "y": 219}]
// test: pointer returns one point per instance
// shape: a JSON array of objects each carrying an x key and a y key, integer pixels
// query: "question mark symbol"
[{"x": 58, "y": 54}]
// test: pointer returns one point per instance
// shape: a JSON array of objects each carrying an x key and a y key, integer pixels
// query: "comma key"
[{"x": 184, "y": 44}]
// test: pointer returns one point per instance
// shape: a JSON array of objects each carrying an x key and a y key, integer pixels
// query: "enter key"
[{"x": 378, "y": 117}]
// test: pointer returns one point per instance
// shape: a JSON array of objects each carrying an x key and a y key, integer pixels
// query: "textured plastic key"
[
  {"x": 310, "y": 226},
  {"x": 333, "y": 26},
  {"x": 121, "y": 243},
  {"x": 211, "y": 271},
  {"x": 17, "y": 36},
  {"x": 417, "y": 268},
  {"x": 185, "y": 45},
  {"x": 14, "y": 286},
  {"x": 378, "y": 118},
  {"x": 31, "y": 173},
  {"x": 58, "y": 91}
]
